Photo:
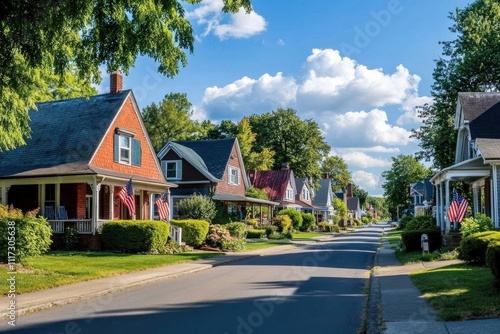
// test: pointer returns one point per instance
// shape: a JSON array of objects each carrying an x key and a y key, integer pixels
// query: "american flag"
[
  {"x": 126, "y": 194},
  {"x": 163, "y": 207},
  {"x": 458, "y": 208}
]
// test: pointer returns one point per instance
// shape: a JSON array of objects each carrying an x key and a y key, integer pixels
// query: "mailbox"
[{"x": 424, "y": 243}]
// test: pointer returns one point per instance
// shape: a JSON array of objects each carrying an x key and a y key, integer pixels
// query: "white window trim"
[
  {"x": 129, "y": 149},
  {"x": 178, "y": 169},
  {"x": 289, "y": 190},
  {"x": 305, "y": 194},
  {"x": 230, "y": 175}
]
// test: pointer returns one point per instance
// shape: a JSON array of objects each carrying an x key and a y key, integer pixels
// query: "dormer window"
[
  {"x": 305, "y": 193},
  {"x": 289, "y": 193},
  {"x": 172, "y": 169},
  {"x": 127, "y": 149}
]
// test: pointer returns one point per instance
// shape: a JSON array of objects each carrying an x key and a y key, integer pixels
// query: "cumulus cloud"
[
  {"x": 409, "y": 106},
  {"x": 373, "y": 149},
  {"x": 239, "y": 25},
  {"x": 247, "y": 96},
  {"x": 363, "y": 160},
  {"x": 365, "y": 180}
]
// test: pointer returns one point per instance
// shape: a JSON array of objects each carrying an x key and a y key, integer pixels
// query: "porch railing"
[
  {"x": 175, "y": 233},
  {"x": 83, "y": 226}
]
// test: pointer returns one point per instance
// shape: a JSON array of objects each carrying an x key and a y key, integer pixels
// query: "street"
[{"x": 314, "y": 288}]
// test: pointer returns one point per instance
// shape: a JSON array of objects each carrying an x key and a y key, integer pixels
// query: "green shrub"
[
  {"x": 270, "y": 230},
  {"x": 219, "y": 237},
  {"x": 473, "y": 247},
  {"x": 197, "y": 207},
  {"x": 493, "y": 259},
  {"x": 295, "y": 215},
  {"x": 421, "y": 223},
  {"x": 194, "y": 232},
  {"x": 253, "y": 222},
  {"x": 356, "y": 222},
  {"x": 132, "y": 236},
  {"x": 365, "y": 220},
  {"x": 283, "y": 223},
  {"x": 403, "y": 221},
  {"x": 412, "y": 239},
  {"x": 324, "y": 227},
  {"x": 335, "y": 228},
  {"x": 71, "y": 238},
  {"x": 237, "y": 229},
  {"x": 308, "y": 222},
  {"x": 472, "y": 225},
  {"x": 255, "y": 234},
  {"x": 28, "y": 235}
]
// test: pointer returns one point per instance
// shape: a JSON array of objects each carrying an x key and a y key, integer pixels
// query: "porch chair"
[
  {"x": 50, "y": 213},
  {"x": 63, "y": 214}
]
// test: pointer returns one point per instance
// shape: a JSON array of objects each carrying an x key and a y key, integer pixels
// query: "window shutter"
[
  {"x": 136, "y": 152},
  {"x": 178, "y": 167},
  {"x": 116, "y": 151}
]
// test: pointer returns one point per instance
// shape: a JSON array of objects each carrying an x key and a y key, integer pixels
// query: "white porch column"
[
  {"x": 111, "y": 202},
  {"x": 442, "y": 220},
  {"x": 96, "y": 187},
  {"x": 494, "y": 189},
  {"x": 447, "y": 193},
  {"x": 475, "y": 199},
  {"x": 4, "y": 195},
  {"x": 438, "y": 206}
]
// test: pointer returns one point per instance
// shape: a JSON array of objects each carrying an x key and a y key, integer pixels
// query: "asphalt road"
[{"x": 318, "y": 288}]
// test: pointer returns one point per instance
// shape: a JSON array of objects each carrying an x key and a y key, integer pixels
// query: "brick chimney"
[
  {"x": 285, "y": 166},
  {"x": 349, "y": 190},
  {"x": 115, "y": 83}
]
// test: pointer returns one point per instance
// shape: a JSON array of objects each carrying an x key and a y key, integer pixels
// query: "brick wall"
[{"x": 128, "y": 119}]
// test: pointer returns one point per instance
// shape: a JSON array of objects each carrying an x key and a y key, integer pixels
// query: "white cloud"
[
  {"x": 363, "y": 160},
  {"x": 224, "y": 26},
  {"x": 365, "y": 180},
  {"x": 409, "y": 106},
  {"x": 373, "y": 149}
]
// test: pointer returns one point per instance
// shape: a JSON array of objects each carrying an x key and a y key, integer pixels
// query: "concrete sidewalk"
[
  {"x": 403, "y": 310},
  {"x": 30, "y": 302}
]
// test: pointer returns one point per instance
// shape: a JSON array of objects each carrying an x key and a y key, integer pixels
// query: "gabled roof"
[
  {"x": 352, "y": 203},
  {"x": 325, "y": 188},
  {"x": 489, "y": 148},
  {"x": 482, "y": 111},
  {"x": 65, "y": 135},
  {"x": 274, "y": 182}
]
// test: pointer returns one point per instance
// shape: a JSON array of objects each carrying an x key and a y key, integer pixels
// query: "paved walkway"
[{"x": 403, "y": 310}]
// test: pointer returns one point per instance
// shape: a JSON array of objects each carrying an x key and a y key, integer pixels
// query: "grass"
[
  {"x": 459, "y": 292},
  {"x": 309, "y": 235},
  {"x": 253, "y": 245},
  {"x": 62, "y": 267}
]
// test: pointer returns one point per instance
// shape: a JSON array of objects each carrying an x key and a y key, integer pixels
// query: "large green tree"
[
  {"x": 297, "y": 142},
  {"x": 405, "y": 170},
  {"x": 360, "y": 193},
  {"x": 262, "y": 160},
  {"x": 471, "y": 62},
  {"x": 170, "y": 120},
  {"x": 379, "y": 204},
  {"x": 41, "y": 38},
  {"x": 337, "y": 171}
]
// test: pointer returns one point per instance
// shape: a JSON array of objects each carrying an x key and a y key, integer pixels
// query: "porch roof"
[
  {"x": 468, "y": 171},
  {"x": 239, "y": 198},
  {"x": 489, "y": 148}
]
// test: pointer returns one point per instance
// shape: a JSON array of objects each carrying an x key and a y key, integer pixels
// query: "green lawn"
[
  {"x": 253, "y": 245},
  {"x": 460, "y": 292},
  {"x": 61, "y": 267},
  {"x": 309, "y": 235}
]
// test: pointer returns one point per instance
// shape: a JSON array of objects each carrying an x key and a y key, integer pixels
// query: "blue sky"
[{"x": 358, "y": 68}]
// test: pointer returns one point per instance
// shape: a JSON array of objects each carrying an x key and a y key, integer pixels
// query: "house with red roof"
[{"x": 81, "y": 153}]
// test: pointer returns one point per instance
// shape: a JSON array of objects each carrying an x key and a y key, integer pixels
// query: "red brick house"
[
  {"x": 210, "y": 167},
  {"x": 81, "y": 153}
]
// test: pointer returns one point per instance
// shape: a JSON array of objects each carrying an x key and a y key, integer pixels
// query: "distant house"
[
  {"x": 477, "y": 158},
  {"x": 354, "y": 210},
  {"x": 279, "y": 186},
  {"x": 324, "y": 210},
  {"x": 305, "y": 195},
  {"x": 422, "y": 193},
  {"x": 213, "y": 168},
  {"x": 81, "y": 153}
]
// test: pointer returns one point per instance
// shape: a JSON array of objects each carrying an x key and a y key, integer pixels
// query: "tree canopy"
[
  {"x": 42, "y": 38},
  {"x": 471, "y": 63},
  {"x": 253, "y": 160},
  {"x": 405, "y": 170},
  {"x": 337, "y": 171}
]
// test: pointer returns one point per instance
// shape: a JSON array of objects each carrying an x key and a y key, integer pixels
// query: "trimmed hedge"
[
  {"x": 26, "y": 236},
  {"x": 412, "y": 239},
  {"x": 255, "y": 234},
  {"x": 194, "y": 231},
  {"x": 403, "y": 221},
  {"x": 473, "y": 247},
  {"x": 133, "y": 236},
  {"x": 493, "y": 259},
  {"x": 421, "y": 223}
]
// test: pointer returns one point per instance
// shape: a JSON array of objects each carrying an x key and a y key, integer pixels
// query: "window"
[
  {"x": 234, "y": 175},
  {"x": 127, "y": 150},
  {"x": 172, "y": 169},
  {"x": 305, "y": 194},
  {"x": 289, "y": 192}
]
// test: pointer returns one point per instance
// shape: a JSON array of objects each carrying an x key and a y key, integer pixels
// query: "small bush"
[
  {"x": 308, "y": 222},
  {"x": 194, "y": 232},
  {"x": 30, "y": 236},
  {"x": 237, "y": 229},
  {"x": 270, "y": 230},
  {"x": 197, "y": 207},
  {"x": 255, "y": 234},
  {"x": 493, "y": 259},
  {"x": 253, "y": 222},
  {"x": 132, "y": 236},
  {"x": 219, "y": 237},
  {"x": 356, "y": 222},
  {"x": 283, "y": 223},
  {"x": 403, "y": 221},
  {"x": 365, "y": 220},
  {"x": 472, "y": 225},
  {"x": 473, "y": 247},
  {"x": 295, "y": 215},
  {"x": 71, "y": 238},
  {"x": 412, "y": 240},
  {"x": 421, "y": 223}
]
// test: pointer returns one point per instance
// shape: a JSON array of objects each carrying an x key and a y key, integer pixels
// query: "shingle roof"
[
  {"x": 490, "y": 148},
  {"x": 352, "y": 203},
  {"x": 274, "y": 182},
  {"x": 482, "y": 110},
  {"x": 65, "y": 134},
  {"x": 321, "y": 197},
  {"x": 214, "y": 153}
]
